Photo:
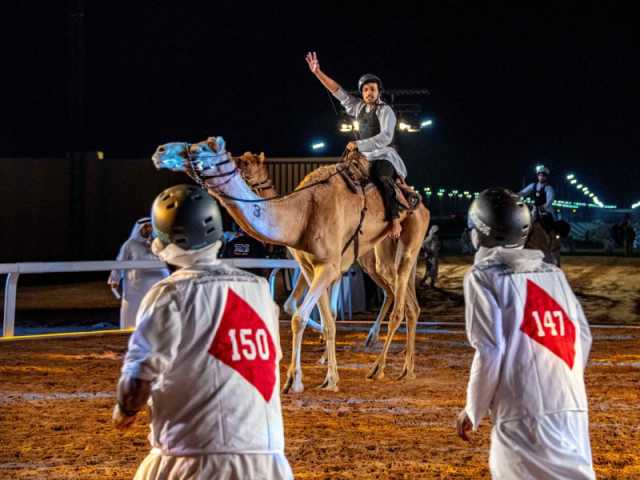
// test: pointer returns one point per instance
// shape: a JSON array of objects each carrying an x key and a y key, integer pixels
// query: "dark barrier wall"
[
  {"x": 39, "y": 222},
  {"x": 35, "y": 209}
]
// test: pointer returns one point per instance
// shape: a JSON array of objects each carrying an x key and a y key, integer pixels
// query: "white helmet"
[{"x": 543, "y": 169}]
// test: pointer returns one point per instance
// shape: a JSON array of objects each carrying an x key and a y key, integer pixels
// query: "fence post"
[{"x": 10, "y": 291}]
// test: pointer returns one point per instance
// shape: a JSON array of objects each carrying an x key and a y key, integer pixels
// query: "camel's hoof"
[
  {"x": 406, "y": 376},
  {"x": 371, "y": 342},
  {"x": 376, "y": 373},
  {"x": 292, "y": 386},
  {"x": 375, "y": 346},
  {"x": 329, "y": 386}
]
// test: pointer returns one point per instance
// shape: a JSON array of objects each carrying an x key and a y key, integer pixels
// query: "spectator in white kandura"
[
  {"x": 531, "y": 341},
  {"x": 135, "y": 283},
  {"x": 205, "y": 357}
]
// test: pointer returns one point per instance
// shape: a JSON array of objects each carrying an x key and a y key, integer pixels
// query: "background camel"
[{"x": 317, "y": 221}]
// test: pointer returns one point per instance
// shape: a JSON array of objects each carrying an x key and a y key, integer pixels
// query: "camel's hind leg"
[
  {"x": 374, "y": 268},
  {"x": 323, "y": 275},
  {"x": 295, "y": 298},
  {"x": 328, "y": 321},
  {"x": 377, "y": 371},
  {"x": 412, "y": 313},
  {"x": 408, "y": 248}
]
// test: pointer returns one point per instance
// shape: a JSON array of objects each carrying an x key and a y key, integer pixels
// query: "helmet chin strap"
[{"x": 475, "y": 239}]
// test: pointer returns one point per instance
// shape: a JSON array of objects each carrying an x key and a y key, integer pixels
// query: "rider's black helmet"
[
  {"x": 369, "y": 78},
  {"x": 187, "y": 216},
  {"x": 500, "y": 218}
]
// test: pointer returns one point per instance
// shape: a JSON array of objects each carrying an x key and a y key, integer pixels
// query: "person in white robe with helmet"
[
  {"x": 205, "y": 355},
  {"x": 531, "y": 342}
]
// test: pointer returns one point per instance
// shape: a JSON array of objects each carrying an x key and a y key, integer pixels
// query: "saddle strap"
[{"x": 355, "y": 238}]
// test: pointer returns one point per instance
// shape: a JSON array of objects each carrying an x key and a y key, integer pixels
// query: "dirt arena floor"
[{"x": 56, "y": 397}]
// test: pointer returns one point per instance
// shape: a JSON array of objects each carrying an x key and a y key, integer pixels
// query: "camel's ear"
[
  {"x": 261, "y": 157},
  {"x": 211, "y": 141}
]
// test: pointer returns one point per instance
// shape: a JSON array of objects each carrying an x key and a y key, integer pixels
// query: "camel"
[
  {"x": 317, "y": 222},
  {"x": 547, "y": 242},
  {"x": 254, "y": 169}
]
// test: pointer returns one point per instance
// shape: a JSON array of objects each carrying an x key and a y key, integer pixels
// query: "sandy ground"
[
  {"x": 56, "y": 398},
  {"x": 56, "y": 395}
]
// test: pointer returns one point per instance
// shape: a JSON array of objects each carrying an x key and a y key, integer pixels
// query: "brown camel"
[
  {"x": 254, "y": 170},
  {"x": 317, "y": 221},
  {"x": 547, "y": 242}
]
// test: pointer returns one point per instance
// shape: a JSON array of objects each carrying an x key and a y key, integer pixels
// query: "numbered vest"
[
  {"x": 243, "y": 342},
  {"x": 546, "y": 322}
]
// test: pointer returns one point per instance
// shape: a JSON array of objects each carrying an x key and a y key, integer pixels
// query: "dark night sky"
[{"x": 510, "y": 87}]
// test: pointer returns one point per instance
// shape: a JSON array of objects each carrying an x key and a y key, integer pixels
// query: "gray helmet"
[
  {"x": 500, "y": 218},
  {"x": 187, "y": 216},
  {"x": 369, "y": 78}
]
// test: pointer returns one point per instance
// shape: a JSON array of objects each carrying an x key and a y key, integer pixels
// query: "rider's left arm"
[{"x": 387, "y": 120}]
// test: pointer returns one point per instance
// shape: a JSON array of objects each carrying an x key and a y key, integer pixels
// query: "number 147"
[{"x": 552, "y": 321}]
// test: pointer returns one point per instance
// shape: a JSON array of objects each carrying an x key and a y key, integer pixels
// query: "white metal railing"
[{"x": 14, "y": 270}]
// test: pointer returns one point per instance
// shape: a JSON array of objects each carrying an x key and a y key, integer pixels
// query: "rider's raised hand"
[{"x": 312, "y": 61}]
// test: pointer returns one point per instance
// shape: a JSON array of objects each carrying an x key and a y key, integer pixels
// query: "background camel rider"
[
  {"x": 542, "y": 195},
  {"x": 376, "y": 126}
]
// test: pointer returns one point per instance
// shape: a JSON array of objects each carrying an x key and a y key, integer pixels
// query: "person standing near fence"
[
  {"x": 135, "y": 283},
  {"x": 206, "y": 353},
  {"x": 431, "y": 252},
  {"x": 628, "y": 235}
]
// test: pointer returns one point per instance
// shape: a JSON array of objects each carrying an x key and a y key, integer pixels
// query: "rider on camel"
[
  {"x": 542, "y": 195},
  {"x": 376, "y": 126}
]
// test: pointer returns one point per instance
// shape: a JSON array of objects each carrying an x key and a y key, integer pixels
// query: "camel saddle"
[{"x": 354, "y": 170}]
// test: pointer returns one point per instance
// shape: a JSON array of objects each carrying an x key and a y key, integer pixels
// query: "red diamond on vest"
[
  {"x": 243, "y": 342},
  {"x": 546, "y": 322}
]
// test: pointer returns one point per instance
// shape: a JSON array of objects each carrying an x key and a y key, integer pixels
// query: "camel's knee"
[{"x": 297, "y": 322}]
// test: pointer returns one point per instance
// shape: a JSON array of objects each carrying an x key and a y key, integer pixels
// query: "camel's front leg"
[{"x": 322, "y": 275}]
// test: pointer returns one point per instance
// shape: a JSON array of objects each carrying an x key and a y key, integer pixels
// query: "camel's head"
[
  {"x": 201, "y": 156},
  {"x": 253, "y": 169}
]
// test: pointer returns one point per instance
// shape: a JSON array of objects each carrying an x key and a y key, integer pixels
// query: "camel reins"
[
  {"x": 266, "y": 183},
  {"x": 201, "y": 180}
]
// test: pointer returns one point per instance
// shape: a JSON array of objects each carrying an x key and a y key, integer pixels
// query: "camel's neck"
[{"x": 275, "y": 222}]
